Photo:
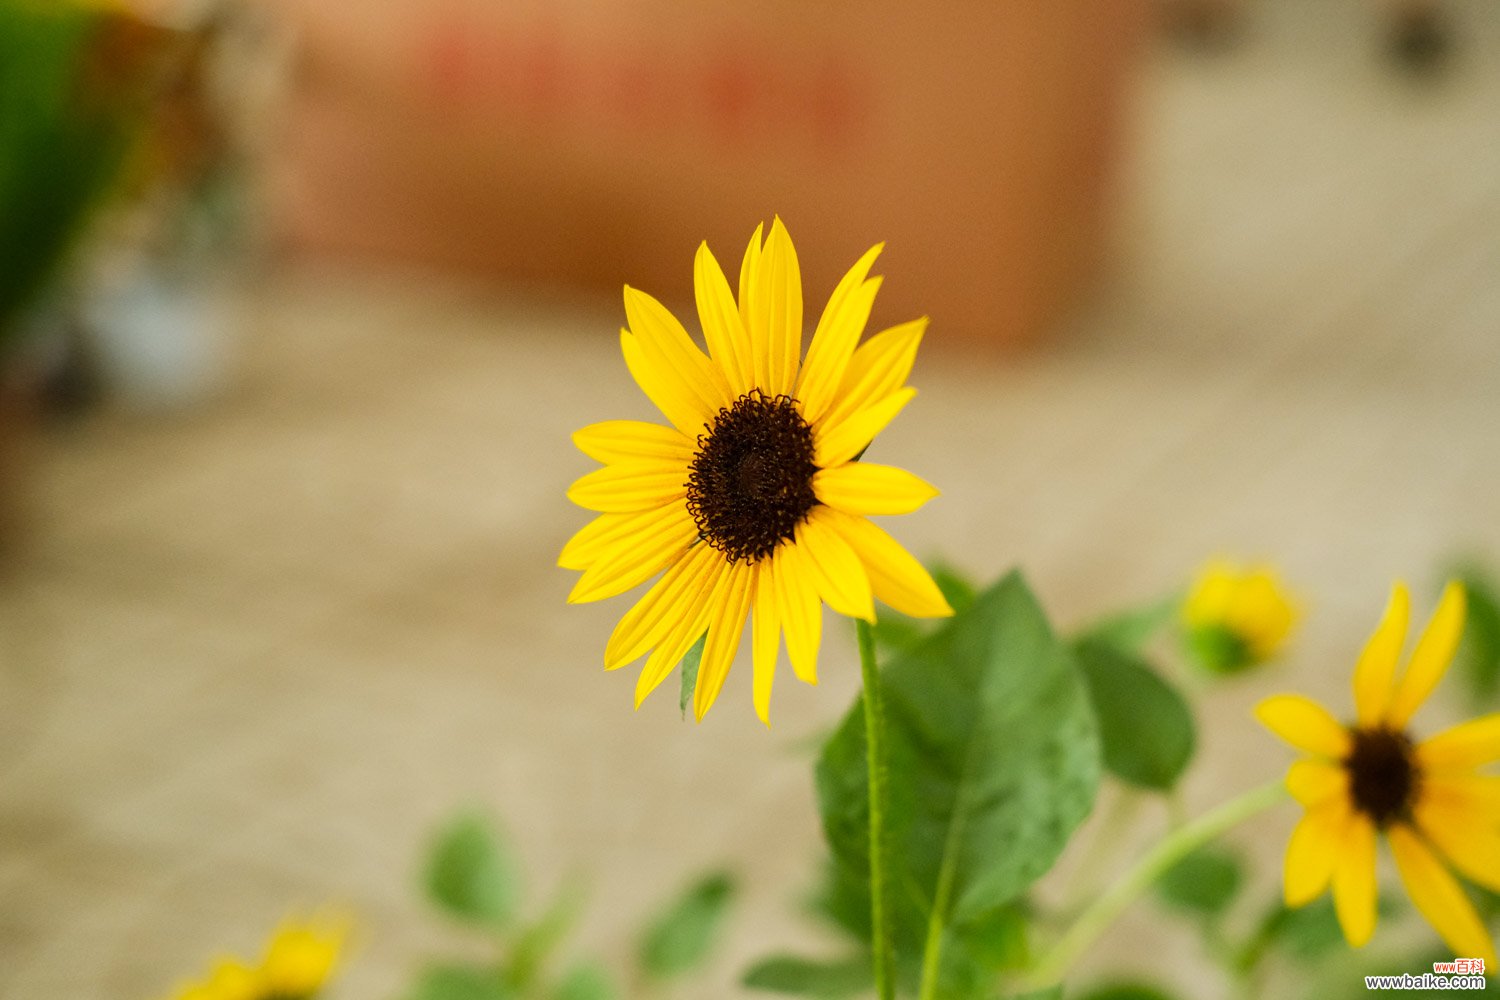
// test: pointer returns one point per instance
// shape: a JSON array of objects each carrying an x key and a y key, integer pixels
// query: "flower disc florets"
[
  {"x": 1382, "y": 774},
  {"x": 750, "y": 484}
]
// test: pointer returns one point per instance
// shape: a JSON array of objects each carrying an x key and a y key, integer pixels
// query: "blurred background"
[{"x": 299, "y": 303}]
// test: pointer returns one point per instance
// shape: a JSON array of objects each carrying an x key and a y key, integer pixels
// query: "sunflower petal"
[
  {"x": 838, "y": 575},
  {"x": 866, "y": 488},
  {"x": 652, "y": 617},
  {"x": 672, "y": 353},
  {"x": 753, "y": 311},
  {"x": 1429, "y": 661},
  {"x": 630, "y": 486},
  {"x": 1313, "y": 782},
  {"x": 1304, "y": 724},
  {"x": 664, "y": 389},
  {"x": 1475, "y": 795},
  {"x": 1470, "y": 844},
  {"x": 645, "y": 555},
  {"x": 878, "y": 368},
  {"x": 1313, "y": 852},
  {"x": 1438, "y": 896},
  {"x": 836, "y": 445},
  {"x": 691, "y": 623},
  {"x": 726, "y": 622},
  {"x": 837, "y": 334},
  {"x": 722, "y": 327},
  {"x": 765, "y": 637},
  {"x": 633, "y": 440},
  {"x": 1354, "y": 886},
  {"x": 1375, "y": 672},
  {"x": 896, "y": 578},
  {"x": 608, "y": 532},
  {"x": 800, "y": 611},
  {"x": 781, "y": 296},
  {"x": 1464, "y": 746}
]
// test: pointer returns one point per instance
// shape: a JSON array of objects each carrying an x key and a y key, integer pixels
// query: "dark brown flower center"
[
  {"x": 1382, "y": 774},
  {"x": 750, "y": 484}
]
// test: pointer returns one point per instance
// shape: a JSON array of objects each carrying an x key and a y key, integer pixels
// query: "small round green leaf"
[{"x": 1145, "y": 727}]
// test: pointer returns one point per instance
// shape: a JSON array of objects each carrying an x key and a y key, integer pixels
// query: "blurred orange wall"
[{"x": 595, "y": 142}]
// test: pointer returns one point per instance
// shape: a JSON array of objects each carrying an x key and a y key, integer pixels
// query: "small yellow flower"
[
  {"x": 301, "y": 957},
  {"x": 1371, "y": 777},
  {"x": 1237, "y": 617},
  {"x": 298, "y": 962},
  {"x": 752, "y": 501}
]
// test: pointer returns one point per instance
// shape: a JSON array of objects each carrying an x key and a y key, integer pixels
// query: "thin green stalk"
[
  {"x": 1177, "y": 845},
  {"x": 881, "y": 944}
]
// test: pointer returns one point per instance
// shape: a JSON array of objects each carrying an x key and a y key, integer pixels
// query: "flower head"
[
  {"x": 1237, "y": 616},
  {"x": 1372, "y": 777},
  {"x": 752, "y": 500},
  {"x": 298, "y": 962}
]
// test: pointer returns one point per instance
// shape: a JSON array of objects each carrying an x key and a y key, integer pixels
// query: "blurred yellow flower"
[
  {"x": 299, "y": 960},
  {"x": 1237, "y": 617},
  {"x": 752, "y": 501},
  {"x": 1369, "y": 778}
]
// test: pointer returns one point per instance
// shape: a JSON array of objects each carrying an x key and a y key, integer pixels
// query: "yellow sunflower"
[
  {"x": 299, "y": 960},
  {"x": 1237, "y": 616},
  {"x": 1370, "y": 778},
  {"x": 751, "y": 501}
]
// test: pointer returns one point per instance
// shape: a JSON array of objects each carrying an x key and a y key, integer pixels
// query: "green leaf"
[
  {"x": 682, "y": 936},
  {"x": 994, "y": 759},
  {"x": 1145, "y": 726},
  {"x": 1126, "y": 991},
  {"x": 1479, "y": 654},
  {"x": 1204, "y": 882},
  {"x": 806, "y": 977},
  {"x": 586, "y": 981},
  {"x": 690, "y": 661},
  {"x": 447, "y": 981},
  {"x": 959, "y": 591},
  {"x": 1132, "y": 629},
  {"x": 471, "y": 875}
]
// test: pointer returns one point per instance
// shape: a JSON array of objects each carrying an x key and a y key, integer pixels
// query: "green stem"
[
  {"x": 881, "y": 944},
  {"x": 1177, "y": 845}
]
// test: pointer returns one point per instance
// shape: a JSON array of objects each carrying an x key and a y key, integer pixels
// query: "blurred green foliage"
[{"x": 74, "y": 88}]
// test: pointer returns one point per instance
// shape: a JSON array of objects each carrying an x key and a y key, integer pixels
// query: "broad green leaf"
[
  {"x": 684, "y": 934},
  {"x": 994, "y": 759},
  {"x": 1204, "y": 882},
  {"x": 1145, "y": 726},
  {"x": 806, "y": 977},
  {"x": 450, "y": 981},
  {"x": 690, "y": 661},
  {"x": 586, "y": 981},
  {"x": 1132, "y": 629},
  {"x": 471, "y": 875},
  {"x": 1479, "y": 654},
  {"x": 1126, "y": 991}
]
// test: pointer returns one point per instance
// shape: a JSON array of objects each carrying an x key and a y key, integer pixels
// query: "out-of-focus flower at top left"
[{"x": 299, "y": 960}]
